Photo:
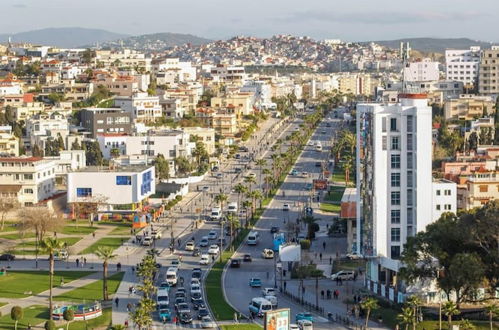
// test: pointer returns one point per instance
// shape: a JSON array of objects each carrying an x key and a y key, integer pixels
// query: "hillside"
[
  {"x": 69, "y": 37},
  {"x": 435, "y": 45},
  {"x": 157, "y": 41}
]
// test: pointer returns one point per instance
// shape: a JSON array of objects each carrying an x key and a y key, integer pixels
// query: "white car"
[
  {"x": 189, "y": 246},
  {"x": 268, "y": 292},
  {"x": 305, "y": 325},
  {"x": 207, "y": 323},
  {"x": 147, "y": 241},
  {"x": 285, "y": 207},
  {"x": 206, "y": 188},
  {"x": 267, "y": 254},
  {"x": 195, "y": 288},
  {"x": 252, "y": 175},
  {"x": 195, "y": 281},
  {"x": 293, "y": 326},
  {"x": 212, "y": 235},
  {"x": 354, "y": 256},
  {"x": 205, "y": 259},
  {"x": 214, "y": 249}
]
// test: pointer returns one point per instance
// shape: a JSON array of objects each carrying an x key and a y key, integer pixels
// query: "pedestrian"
[
  {"x": 337, "y": 294},
  {"x": 126, "y": 324},
  {"x": 93, "y": 234},
  {"x": 341, "y": 282},
  {"x": 29, "y": 326},
  {"x": 133, "y": 269},
  {"x": 320, "y": 256},
  {"x": 118, "y": 266},
  {"x": 130, "y": 289},
  {"x": 128, "y": 307},
  {"x": 337, "y": 281},
  {"x": 84, "y": 262},
  {"x": 285, "y": 284},
  {"x": 179, "y": 242},
  {"x": 330, "y": 260},
  {"x": 324, "y": 245},
  {"x": 77, "y": 262},
  {"x": 328, "y": 294},
  {"x": 117, "y": 301},
  {"x": 235, "y": 317},
  {"x": 322, "y": 294}
]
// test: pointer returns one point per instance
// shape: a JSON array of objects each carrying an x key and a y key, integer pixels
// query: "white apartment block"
[
  {"x": 424, "y": 70},
  {"x": 114, "y": 186},
  {"x": 144, "y": 108},
  {"x": 444, "y": 198},
  {"x": 68, "y": 160},
  {"x": 227, "y": 73},
  {"x": 173, "y": 70},
  {"x": 39, "y": 127},
  {"x": 463, "y": 65},
  {"x": 9, "y": 143},
  {"x": 29, "y": 179}
]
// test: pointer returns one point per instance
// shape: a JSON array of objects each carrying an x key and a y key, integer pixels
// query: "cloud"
[
  {"x": 19, "y": 5},
  {"x": 377, "y": 18}
]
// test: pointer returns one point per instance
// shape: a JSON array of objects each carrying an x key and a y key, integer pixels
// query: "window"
[
  {"x": 409, "y": 216},
  {"x": 83, "y": 192},
  {"x": 384, "y": 141},
  {"x": 395, "y": 235},
  {"x": 395, "y": 252},
  {"x": 484, "y": 188},
  {"x": 395, "y": 179},
  {"x": 395, "y": 197},
  {"x": 395, "y": 161},
  {"x": 28, "y": 176},
  {"x": 409, "y": 179},
  {"x": 409, "y": 197},
  {"x": 409, "y": 141},
  {"x": 123, "y": 180},
  {"x": 395, "y": 216},
  {"x": 447, "y": 207},
  {"x": 438, "y": 192},
  {"x": 393, "y": 124},
  {"x": 395, "y": 143},
  {"x": 28, "y": 191},
  {"x": 410, "y": 121},
  {"x": 383, "y": 124},
  {"x": 409, "y": 160},
  {"x": 447, "y": 192},
  {"x": 438, "y": 207}
]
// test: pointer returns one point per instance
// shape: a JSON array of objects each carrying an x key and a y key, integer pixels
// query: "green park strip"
[
  {"x": 121, "y": 230},
  {"x": 32, "y": 315},
  {"x": 101, "y": 322},
  {"x": 92, "y": 291},
  {"x": 327, "y": 207},
  {"x": 17, "y": 235},
  {"x": 249, "y": 326},
  {"x": 213, "y": 282},
  {"x": 112, "y": 242},
  {"x": 335, "y": 194},
  {"x": 78, "y": 230},
  {"x": 21, "y": 284},
  {"x": 29, "y": 248}
]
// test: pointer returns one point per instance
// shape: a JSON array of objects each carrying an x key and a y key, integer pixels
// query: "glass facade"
[
  {"x": 123, "y": 180},
  {"x": 83, "y": 192}
]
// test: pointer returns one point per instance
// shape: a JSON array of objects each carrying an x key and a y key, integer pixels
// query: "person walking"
[
  {"x": 322, "y": 294},
  {"x": 84, "y": 262},
  {"x": 285, "y": 284},
  {"x": 128, "y": 307},
  {"x": 330, "y": 260},
  {"x": 320, "y": 256},
  {"x": 93, "y": 234},
  {"x": 324, "y": 245},
  {"x": 77, "y": 262},
  {"x": 117, "y": 301}
]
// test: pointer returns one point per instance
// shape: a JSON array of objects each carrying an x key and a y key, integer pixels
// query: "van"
[
  {"x": 343, "y": 275},
  {"x": 162, "y": 299},
  {"x": 259, "y": 306},
  {"x": 216, "y": 213},
  {"x": 318, "y": 146},
  {"x": 171, "y": 276},
  {"x": 253, "y": 238},
  {"x": 272, "y": 300},
  {"x": 232, "y": 207}
]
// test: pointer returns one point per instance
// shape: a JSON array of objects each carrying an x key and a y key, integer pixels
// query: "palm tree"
[
  {"x": 261, "y": 162},
  {"x": 257, "y": 195},
  {"x": 233, "y": 224},
  {"x": 51, "y": 245},
  {"x": 247, "y": 205},
  {"x": 492, "y": 310},
  {"x": 250, "y": 181},
  {"x": 369, "y": 304},
  {"x": 414, "y": 302},
  {"x": 449, "y": 309},
  {"x": 347, "y": 167},
  {"x": 240, "y": 189},
  {"x": 105, "y": 253},
  {"x": 221, "y": 199},
  {"x": 406, "y": 317}
]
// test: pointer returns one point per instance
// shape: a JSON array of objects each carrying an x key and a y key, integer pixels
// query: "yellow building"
[
  {"x": 481, "y": 187},
  {"x": 206, "y": 135},
  {"x": 9, "y": 144},
  {"x": 468, "y": 107},
  {"x": 241, "y": 103},
  {"x": 357, "y": 84}
]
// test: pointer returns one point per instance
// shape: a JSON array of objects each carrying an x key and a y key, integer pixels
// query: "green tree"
[
  {"x": 183, "y": 165},
  {"x": 240, "y": 189},
  {"x": 473, "y": 141},
  {"x": 221, "y": 199},
  {"x": 492, "y": 311},
  {"x": 414, "y": 302},
  {"x": 76, "y": 145},
  {"x": 250, "y": 180},
  {"x": 248, "y": 206},
  {"x": 68, "y": 316},
  {"x": 406, "y": 317},
  {"x": 93, "y": 153},
  {"x": 51, "y": 246},
  {"x": 162, "y": 167},
  {"x": 450, "y": 309},
  {"x": 369, "y": 304},
  {"x": 16, "y": 314},
  {"x": 261, "y": 163},
  {"x": 49, "y": 325},
  {"x": 106, "y": 254}
]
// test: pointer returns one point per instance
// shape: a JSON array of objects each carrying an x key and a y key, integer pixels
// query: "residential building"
[
  {"x": 121, "y": 85},
  {"x": 67, "y": 161},
  {"x": 422, "y": 70},
  {"x": 9, "y": 143},
  {"x": 468, "y": 107},
  {"x": 357, "y": 84},
  {"x": 28, "y": 109},
  {"x": 488, "y": 81},
  {"x": 141, "y": 106},
  {"x": 240, "y": 103},
  {"x": 172, "y": 107},
  {"x": 172, "y": 70},
  {"x": 72, "y": 90},
  {"x": 106, "y": 120},
  {"x": 205, "y": 135},
  {"x": 42, "y": 126},
  {"x": 29, "y": 179},
  {"x": 111, "y": 186},
  {"x": 463, "y": 65},
  {"x": 437, "y": 91},
  {"x": 229, "y": 74},
  {"x": 481, "y": 187},
  {"x": 444, "y": 197}
]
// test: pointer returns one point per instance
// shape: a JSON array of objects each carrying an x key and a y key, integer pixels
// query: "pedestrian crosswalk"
[{"x": 193, "y": 325}]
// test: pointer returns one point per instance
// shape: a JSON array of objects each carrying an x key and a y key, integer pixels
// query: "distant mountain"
[
  {"x": 158, "y": 41},
  {"x": 435, "y": 45},
  {"x": 69, "y": 37}
]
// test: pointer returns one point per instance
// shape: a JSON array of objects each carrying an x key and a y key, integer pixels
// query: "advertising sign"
[{"x": 277, "y": 319}]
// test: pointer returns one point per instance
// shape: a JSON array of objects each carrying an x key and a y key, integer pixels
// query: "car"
[
  {"x": 206, "y": 188},
  {"x": 179, "y": 300},
  {"x": 354, "y": 256},
  {"x": 343, "y": 275},
  {"x": 235, "y": 263},
  {"x": 189, "y": 246},
  {"x": 214, "y": 249},
  {"x": 207, "y": 323},
  {"x": 195, "y": 288},
  {"x": 204, "y": 241},
  {"x": 308, "y": 210},
  {"x": 274, "y": 229},
  {"x": 147, "y": 241},
  {"x": 198, "y": 302},
  {"x": 219, "y": 175},
  {"x": 323, "y": 132},
  {"x": 183, "y": 307},
  {"x": 268, "y": 292},
  {"x": 293, "y": 326},
  {"x": 212, "y": 234},
  {"x": 196, "y": 295},
  {"x": 164, "y": 285},
  {"x": 164, "y": 314},
  {"x": 305, "y": 325},
  {"x": 255, "y": 282},
  {"x": 181, "y": 290},
  {"x": 251, "y": 175},
  {"x": 304, "y": 316},
  {"x": 304, "y": 174},
  {"x": 267, "y": 254},
  {"x": 272, "y": 300},
  {"x": 195, "y": 281},
  {"x": 196, "y": 252},
  {"x": 156, "y": 234},
  {"x": 247, "y": 258},
  {"x": 205, "y": 259},
  {"x": 310, "y": 143},
  {"x": 243, "y": 149},
  {"x": 179, "y": 294},
  {"x": 328, "y": 124},
  {"x": 176, "y": 263},
  {"x": 221, "y": 242},
  {"x": 238, "y": 170},
  {"x": 196, "y": 273},
  {"x": 237, "y": 156},
  {"x": 294, "y": 172},
  {"x": 7, "y": 257},
  {"x": 285, "y": 207},
  {"x": 203, "y": 312},
  {"x": 185, "y": 317},
  {"x": 317, "y": 164},
  {"x": 308, "y": 186}
]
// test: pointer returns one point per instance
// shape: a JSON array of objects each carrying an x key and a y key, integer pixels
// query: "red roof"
[{"x": 20, "y": 159}]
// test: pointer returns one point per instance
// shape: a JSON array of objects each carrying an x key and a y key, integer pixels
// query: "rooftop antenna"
[{"x": 405, "y": 53}]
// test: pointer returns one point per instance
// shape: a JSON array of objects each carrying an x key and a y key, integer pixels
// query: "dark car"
[
  {"x": 243, "y": 149},
  {"x": 317, "y": 164},
  {"x": 238, "y": 170},
  {"x": 215, "y": 169},
  {"x": 178, "y": 301},
  {"x": 202, "y": 313},
  {"x": 238, "y": 156},
  {"x": 196, "y": 252},
  {"x": 235, "y": 263},
  {"x": 182, "y": 307},
  {"x": 185, "y": 317},
  {"x": 179, "y": 294},
  {"x": 328, "y": 124},
  {"x": 198, "y": 303},
  {"x": 7, "y": 257},
  {"x": 196, "y": 273},
  {"x": 221, "y": 242},
  {"x": 309, "y": 210},
  {"x": 247, "y": 258},
  {"x": 274, "y": 229}
]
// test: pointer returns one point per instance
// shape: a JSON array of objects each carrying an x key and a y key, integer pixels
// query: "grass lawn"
[
  {"x": 17, "y": 235},
  {"x": 327, "y": 207},
  {"x": 348, "y": 265},
  {"x": 78, "y": 230},
  {"x": 33, "y": 315},
  {"x": 112, "y": 242},
  {"x": 338, "y": 175},
  {"x": 30, "y": 247},
  {"x": 120, "y": 231},
  {"x": 213, "y": 284},
  {"x": 102, "y": 322},
  {"x": 250, "y": 326},
  {"x": 9, "y": 226},
  {"x": 15, "y": 283},
  {"x": 433, "y": 325},
  {"x": 335, "y": 194},
  {"x": 92, "y": 291}
]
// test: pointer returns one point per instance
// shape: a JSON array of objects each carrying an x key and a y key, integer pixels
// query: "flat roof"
[
  {"x": 349, "y": 195},
  {"x": 115, "y": 169}
]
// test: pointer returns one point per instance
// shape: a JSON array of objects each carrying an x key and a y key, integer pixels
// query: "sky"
[{"x": 353, "y": 20}]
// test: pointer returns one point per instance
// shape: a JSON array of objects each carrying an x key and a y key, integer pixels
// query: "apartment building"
[
  {"x": 29, "y": 179},
  {"x": 488, "y": 82},
  {"x": 172, "y": 108},
  {"x": 240, "y": 104},
  {"x": 444, "y": 197},
  {"x": 106, "y": 120},
  {"x": 72, "y": 90},
  {"x": 422, "y": 70},
  {"x": 481, "y": 187},
  {"x": 463, "y": 65},
  {"x": 205, "y": 135},
  {"x": 9, "y": 143},
  {"x": 42, "y": 126},
  {"x": 468, "y": 107},
  {"x": 141, "y": 106},
  {"x": 228, "y": 74}
]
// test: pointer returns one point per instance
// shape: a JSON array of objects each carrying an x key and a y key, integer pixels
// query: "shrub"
[
  {"x": 49, "y": 325},
  {"x": 305, "y": 244}
]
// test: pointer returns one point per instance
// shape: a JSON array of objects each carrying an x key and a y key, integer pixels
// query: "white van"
[
  {"x": 232, "y": 207},
  {"x": 259, "y": 306},
  {"x": 318, "y": 146},
  {"x": 162, "y": 299},
  {"x": 253, "y": 238},
  {"x": 272, "y": 300},
  {"x": 171, "y": 276},
  {"x": 216, "y": 213}
]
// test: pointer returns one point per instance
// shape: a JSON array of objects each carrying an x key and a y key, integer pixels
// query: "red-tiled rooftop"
[{"x": 20, "y": 159}]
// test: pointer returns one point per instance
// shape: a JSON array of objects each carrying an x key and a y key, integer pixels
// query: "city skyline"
[{"x": 218, "y": 20}]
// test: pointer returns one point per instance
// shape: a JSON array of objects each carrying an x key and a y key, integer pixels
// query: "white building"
[
  {"x": 444, "y": 197},
  {"x": 29, "y": 179},
  {"x": 115, "y": 186},
  {"x": 463, "y": 65},
  {"x": 142, "y": 106},
  {"x": 261, "y": 89},
  {"x": 68, "y": 160},
  {"x": 424, "y": 70},
  {"x": 172, "y": 70}
]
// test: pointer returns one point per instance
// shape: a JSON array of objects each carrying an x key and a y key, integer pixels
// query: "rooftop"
[{"x": 115, "y": 169}]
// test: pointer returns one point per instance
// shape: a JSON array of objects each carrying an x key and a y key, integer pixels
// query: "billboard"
[{"x": 277, "y": 319}]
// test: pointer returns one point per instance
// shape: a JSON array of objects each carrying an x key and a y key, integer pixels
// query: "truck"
[{"x": 216, "y": 213}]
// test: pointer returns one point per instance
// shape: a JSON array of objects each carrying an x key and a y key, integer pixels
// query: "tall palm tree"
[
  {"x": 261, "y": 163},
  {"x": 369, "y": 304},
  {"x": 347, "y": 167},
  {"x": 414, "y": 302},
  {"x": 233, "y": 224},
  {"x": 258, "y": 196},
  {"x": 449, "y": 309},
  {"x": 248, "y": 206},
  {"x": 492, "y": 310},
  {"x": 51, "y": 245},
  {"x": 221, "y": 199},
  {"x": 406, "y": 317},
  {"x": 250, "y": 181},
  {"x": 240, "y": 189},
  {"x": 105, "y": 253}
]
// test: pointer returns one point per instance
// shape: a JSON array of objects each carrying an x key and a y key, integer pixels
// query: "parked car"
[
  {"x": 305, "y": 324},
  {"x": 214, "y": 249},
  {"x": 164, "y": 314},
  {"x": 205, "y": 259},
  {"x": 219, "y": 175},
  {"x": 304, "y": 316},
  {"x": 267, "y": 254},
  {"x": 238, "y": 170},
  {"x": 147, "y": 241},
  {"x": 343, "y": 275},
  {"x": 206, "y": 188},
  {"x": 7, "y": 257},
  {"x": 285, "y": 207},
  {"x": 294, "y": 172},
  {"x": 176, "y": 263},
  {"x": 354, "y": 256},
  {"x": 190, "y": 246},
  {"x": 207, "y": 323},
  {"x": 255, "y": 282},
  {"x": 247, "y": 258},
  {"x": 235, "y": 263},
  {"x": 274, "y": 229},
  {"x": 268, "y": 292}
]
